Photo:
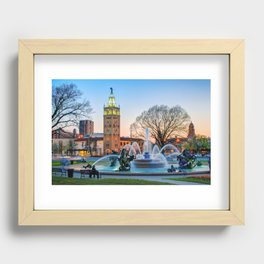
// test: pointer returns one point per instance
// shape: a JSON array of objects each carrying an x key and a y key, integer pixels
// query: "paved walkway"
[{"x": 156, "y": 178}]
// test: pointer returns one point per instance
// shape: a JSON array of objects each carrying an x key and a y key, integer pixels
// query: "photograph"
[{"x": 131, "y": 132}]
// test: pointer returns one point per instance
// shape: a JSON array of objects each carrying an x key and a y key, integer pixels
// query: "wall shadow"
[{"x": 12, "y": 159}]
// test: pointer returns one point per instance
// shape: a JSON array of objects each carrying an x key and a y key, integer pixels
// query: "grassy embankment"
[
  {"x": 108, "y": 181},
  {"x": 202, "y": 179}
]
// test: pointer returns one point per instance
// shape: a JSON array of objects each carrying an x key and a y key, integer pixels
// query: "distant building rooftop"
[
  {"x": 95, "y": 135},
  {"x": 61, "y": 133},
  {"x": 130, "y": 138}
]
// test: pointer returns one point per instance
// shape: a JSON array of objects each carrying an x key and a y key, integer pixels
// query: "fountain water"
[
  {"x": 171, "y": 149},
  {"x": 155, "y": 150},
  {"x": 136, "y": 147},
  {"x": 107, "y": 163},
  {"x": 150, "y": 159}
]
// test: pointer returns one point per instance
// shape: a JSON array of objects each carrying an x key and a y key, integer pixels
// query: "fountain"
[
  {"x": 124, "y": 160},
  {"x": 150, "y": 159},
  {"x": 107, "y": 163},
  {"x": 187, "y": 160}
]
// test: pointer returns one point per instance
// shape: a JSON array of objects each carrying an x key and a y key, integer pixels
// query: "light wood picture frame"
[{"x": 30, "y": 217}]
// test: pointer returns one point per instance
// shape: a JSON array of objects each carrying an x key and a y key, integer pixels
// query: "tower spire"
[
  {"x": 191, "y": 132},
  {"x": 111, "y": 99}
]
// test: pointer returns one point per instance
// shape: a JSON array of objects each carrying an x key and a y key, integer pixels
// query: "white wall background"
[{"x": 132, "y": 19}]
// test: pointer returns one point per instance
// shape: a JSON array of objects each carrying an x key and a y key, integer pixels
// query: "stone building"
[
  {"x": 129, "y": 140},
  {"x": 62, "y": 140},
  {"x": 86, "y": 127},
  {"x": 111, "y": 125},
  {"x": 89, "y": 146}
]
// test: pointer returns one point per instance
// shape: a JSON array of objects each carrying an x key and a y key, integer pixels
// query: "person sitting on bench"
[{"x": 94, "y": 172}]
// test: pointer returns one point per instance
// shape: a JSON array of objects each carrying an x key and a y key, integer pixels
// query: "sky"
[{"x": 136, "y": 96}]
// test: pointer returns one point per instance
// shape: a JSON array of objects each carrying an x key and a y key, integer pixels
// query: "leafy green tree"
[{"x": 198, "y": 143}]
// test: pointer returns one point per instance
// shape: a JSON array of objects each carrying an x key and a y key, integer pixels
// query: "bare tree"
[
  {"x": 70, "y": 147},
  {"x": 55, "y": 148},
  {"x": 88, "y": 145},
  {"x": 67, "y": 107},
  {"x": 163, "y": 123},
  {"x": 60, "y": 149}
]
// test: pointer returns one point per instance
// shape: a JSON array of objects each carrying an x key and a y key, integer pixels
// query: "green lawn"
[
  {"x": 192, "y": 179},
  {"x": 58, "y": 163},
  {"x": 108, "y": 181}
]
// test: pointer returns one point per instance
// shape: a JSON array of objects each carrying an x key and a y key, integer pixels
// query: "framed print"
[{"x": 131, "y": 132}]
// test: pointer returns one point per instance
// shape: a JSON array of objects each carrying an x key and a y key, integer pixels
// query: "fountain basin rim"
[
  {"x": 125, "y": 173},
  {"x": 153, "y": 174}
]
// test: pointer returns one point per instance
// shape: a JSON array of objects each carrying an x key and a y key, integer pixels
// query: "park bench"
[
  {"x": 60, "y": 171},
  {"x": 84, "y": 172},
  {"x": 91, "y": 173}
]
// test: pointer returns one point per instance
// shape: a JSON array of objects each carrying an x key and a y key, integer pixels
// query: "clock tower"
[{"x": 111, "y": 125}]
